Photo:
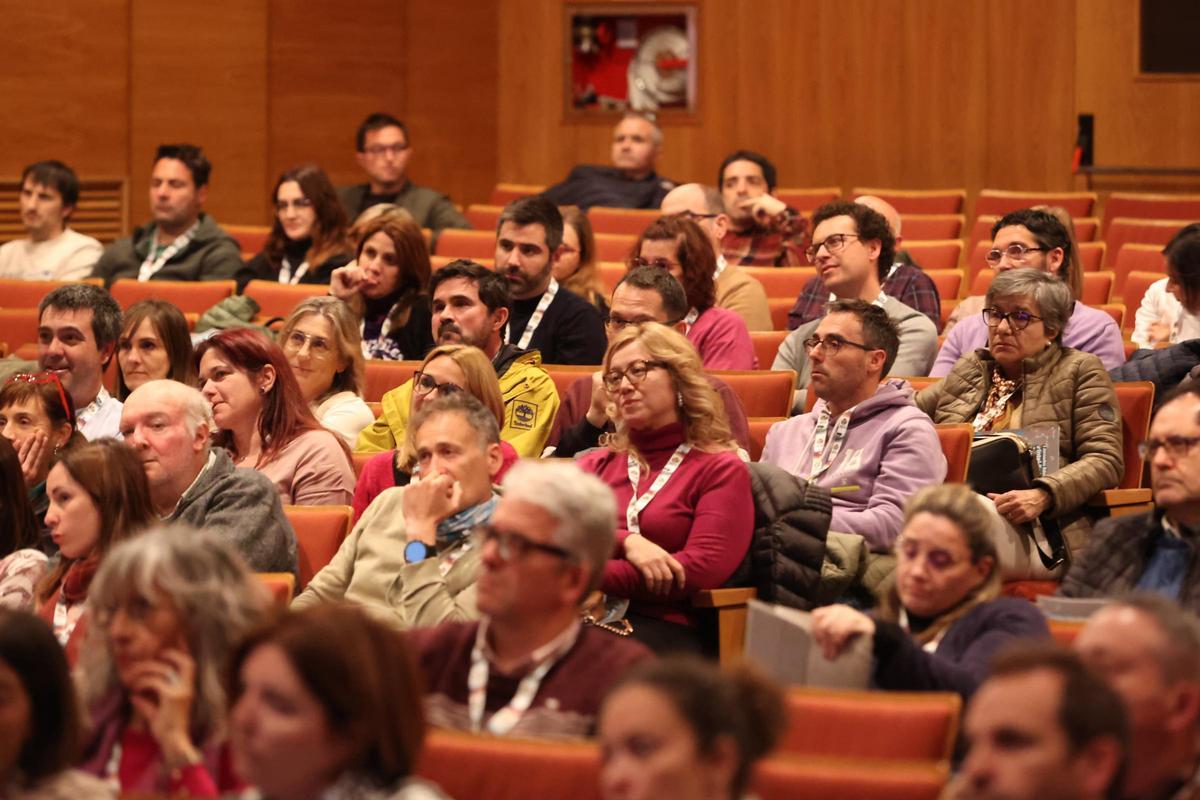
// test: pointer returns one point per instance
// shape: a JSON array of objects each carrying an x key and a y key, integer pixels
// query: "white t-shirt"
[
  {"x": 1159, "y": 305},
  {"x": 69, "y": 256}
]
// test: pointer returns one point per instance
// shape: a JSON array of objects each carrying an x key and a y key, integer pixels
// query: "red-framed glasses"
[{"x": 48, "y": 377}]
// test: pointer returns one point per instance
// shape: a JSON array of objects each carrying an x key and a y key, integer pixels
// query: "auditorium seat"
[
  {"x": 19, "y": 327},
  {"x": 15, "y": 293},
  {"x": 935, "y": 254},
  {"x": 763, "y": 392},
  {"x": 1125, "y": 230},
  {"x": 193, "y": 296},
  {"x": 998, "y": 203},
  {"x": 1091, "y": 255},
  {"x": 437, "y": 262},
  {"x": 766, "y": 346},
  {"x": 1138, "y": 258},
  {"x": 806, "y": 201},
  {"x": 1097, "y": 286},
  {"x": 564, "y": 375},
  {"x": 1114, "y": 310},
  {"x": 359, "y": 461},
  {"x": 1136, "y": 285},
  {"x": 320, "y": 531},
  {"x": 382, "y": 376},
  {"x": 614, "y": 246},
  {"x": 1136, "y": 399},
  {"x": 931, "y": 226},
  {"x": 610, "y": 274},
  {"x": 782, "y": 282},
  {"x": 758, "y": 434},
  {"x": 281, "y": 585},
  {"x": 251, "y": 239},
  {"x": 625, "y": 221},
  {"x": 804, "y": 778},
  {"x": 1133, "y": 205},
  {"x": 1064, "y": 631},
  {"x": 483, "y": 217},
  {"x": 1087, "y": 230},
  {"x": 955, "y": 439},
  {"x": 919, "y": 201},
  {"x": 948, "y": 281},
  {"x": 278, "y": 299},
  {"x": 779, "y": 308},
  {"x": 505, "y": 193},
  {"x": 460, "y": 243},
  {"x": 947, "y": 306}
]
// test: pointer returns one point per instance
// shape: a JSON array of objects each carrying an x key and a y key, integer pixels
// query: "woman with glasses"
[
  {"x": 943, "y": 619},
  {"x": 265, "y": 423},
  {"x": 167, "y": 610},
  {"x": 684, "y": 511},
  {"x": 155, "y": 343},
  {"x": 321, "y": 342},
  {"x": 1170, "y": 308},
  {"x": 22, "y": 565},
  {"x": 1027, "y": 379},
  {"x": 308, "y": 236},
  {"x": 681, "y": 247},
  {"x": 98, "y": 498},
  {"x": 575, "y": 265},
  {"x": 447, "y": 369}
]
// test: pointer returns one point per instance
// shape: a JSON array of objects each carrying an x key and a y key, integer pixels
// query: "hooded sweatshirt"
[{"x": 890, "y": 450}]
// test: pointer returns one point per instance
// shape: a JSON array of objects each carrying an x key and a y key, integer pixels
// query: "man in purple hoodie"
[{"x": 864, "y": 440}]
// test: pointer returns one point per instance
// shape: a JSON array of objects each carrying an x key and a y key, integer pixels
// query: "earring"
[{"x": 679, "y": 399}]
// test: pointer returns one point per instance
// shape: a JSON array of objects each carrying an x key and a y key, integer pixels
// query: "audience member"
[
  {"x": 1042, "y": 727},
  {"x": 51, "y": 251},
  {"x": 471, "y": 306},
  {"x": 321, "y": 342},
  {"x": 853, "y": 249},
  {"x": 736, "y": 291},
  {"x": 943, "y": 619},
  {"x": 1148, "y": 649},
  {"x": 645, "y": 294},
  {"x": 1155, "y": 550},
  {"x": 680, "y": 247},
  {"x": 181, "y": 242},
  {"x": 22, "y": 564},
  {"x": 864, "y": 440},
  {"x": 410, "y": 559},
  {"x": 263, "y": 421},
  {"x": 563, "y": 327},
  {"x": 685, "y": 494},
  {"x": 40, "y": 727},
  {"x": 904, "y": 281},
  {"x": 1026, "y": 378},
  {"x": 327, "y": 702},
  {"x": 575, "y": 262},
  {"x": 169, "y": 426},
  {"x": 630, "y": 182},
  {"x": 1031, "y": 239},
  {"x": 78, "y": 326},
  {"x": 383, "y": 150},
  {"x": 705, "y": 728},
  {"x": 168, "y": 609},
  {"x": 155, "y": 343},
  {"x": 1170, "y": 309},
  {"x": 530, "y": 668},
  {"x": 763, "y": 231},
  {"x": 385, "y": 286},
  {"x": 308, "y": 238},
  {"x": 448, "y": 370},
  {"x": 98, "y": 498}
]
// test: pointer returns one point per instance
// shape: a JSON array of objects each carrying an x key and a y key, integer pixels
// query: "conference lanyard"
[
  {"x": 507, "y": 718},
  {"x": 637, "y": 504},
  {"x": 63, "y": 626},
  {"x": 721, "y": 264},
  {"x": 538, "y": 313},
  {"x": 152, "y": 265},
  {"x": 690, "y": 320},
  {"x": 822, "y": 459},
  {"x": 285, "y": 272}
]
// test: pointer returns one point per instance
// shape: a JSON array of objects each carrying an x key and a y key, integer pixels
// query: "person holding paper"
[{"x": 944, "y": 619}]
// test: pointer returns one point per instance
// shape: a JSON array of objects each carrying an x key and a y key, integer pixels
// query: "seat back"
[
  {"x": 102, "y": 211},
  {"x": 1087, "y": 229},
  {"x": 766, "y": 346},
  {"x": 359, "y": 460},
  {"x": 919, "y": 201},
  {"x": 758, "y": 434},
  {"x": 614, "y": 246},
  {"x": 808, "y": 200},
  {"x": 764, "y": 393},
  {"x": 190, "y": 296},
  {"x": 932, "y": 226},
  {"x": 1091, "y": 256},
  {"x": 1136, "y": 399},
  {"x": 800, "y": 778},
  {"x": 483, "y": 217},
  {"x": 16, "y": 293},
  {"x": 782, "y": 282},
  {"x": 998, "y": 203},
  {"x": 320, "y": 531},
  {"x": 564, "y": 375},
  {"x": 1114, "y": 310},
  {"x": 18, "y": 327},
  {"x": 1097, "y": 286},
  {"x": 279, "y": 299},
  {"x": 281, "y": 585},
  {"x": 1138, "y": 258},
  {"x": 466, "y": 766},
  {"x": 610, "y": 274},
  {"x": 1123, "y": 231},
  {"x": 955, "y": 439},
  {"x": 937, "y": 254},
  {"x": 627, "y": 221},
  {"x": 460, "y": 243},
  {"x": 1135, "y": 205},
  {"x": 917, "y": 382},
  {"x": 779, "y": 308},
  {"x": 1064, "y": 631},
  {"x": 505, "y": 193},
  {"x": 382, "y": 376},
  {"x": 251, "y": 239},
  {"x": 948, "y": 281},
  {"x": 1136, "y": 285}
]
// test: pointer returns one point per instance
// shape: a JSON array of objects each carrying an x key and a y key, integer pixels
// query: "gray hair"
[
  {"x": 210, "y": 588},
  {"x": 1051, "y": 296},
  {"x": 581, "y": 502},
  {"x": 656, "y": 134},
  {"x": 477, "y": 415},
  {"x": 196, "y": 408},
  {"x": 1179, "y": 659}
]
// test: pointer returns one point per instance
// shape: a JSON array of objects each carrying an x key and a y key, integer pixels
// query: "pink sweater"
[{"x": 721, "y": 338}]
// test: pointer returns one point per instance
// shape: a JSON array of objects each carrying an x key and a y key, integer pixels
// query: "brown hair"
[
  {"x": 329, "y": 234},
  {"x": 172, "y": 328},
  {"x": 585, "y": 281},
  {"x": 19, "y": 529},
  {"x": 411, "y": 255},
  {"x": 694, "y": 252}
]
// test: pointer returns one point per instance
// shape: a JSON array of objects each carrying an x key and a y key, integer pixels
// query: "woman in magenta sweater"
[{"x": 688, "y": 525}]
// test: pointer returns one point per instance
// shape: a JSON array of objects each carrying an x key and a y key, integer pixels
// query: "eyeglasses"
[
  {"x": 377, "y": 150},
  {"x": 833, "y": 243},
  {"x": 938, "y": 560},
  {"x": 833, "y": 344},
  {"x": 636, "y": 372},
  {"x": 424, "y": 383},
  {"x": 694, "y": 217},
  {"x": 615, "y": 323},
  {"x": 1016, "y": 253},
  {"x": 318, "y": 346},
  {"x": 1176, "y": 446},
  {"x": 38, "y": 378},
  {"x": 299, "y": 204},
  {"x": 659, "y": 263},
  {"x": 1017, "y": 320},
  {"x": 512, "y": 546}
]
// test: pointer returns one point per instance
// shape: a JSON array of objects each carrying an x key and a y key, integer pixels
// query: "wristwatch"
[{"x": 416, "y": 551}]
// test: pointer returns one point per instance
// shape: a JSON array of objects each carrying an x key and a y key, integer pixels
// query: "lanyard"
[
  {"x": 721, "y": 264},
  {"x": 822, "y": 459},
  {"x": 152, "y": 265},
  {"x": 285, "y": 272},
  {"x": 63, "y": 625},
  {"x": 507, "y": 718},
  {"x": 112, "y": 768},
  {"x": 637, "y": 504},
  {"x": 932, "y": 645},
  {"x": 538, "y": 313},
  {"x": 690, "y": 320}
]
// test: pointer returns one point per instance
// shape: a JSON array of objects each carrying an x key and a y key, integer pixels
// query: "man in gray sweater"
[{"x": 168, "y": 424}]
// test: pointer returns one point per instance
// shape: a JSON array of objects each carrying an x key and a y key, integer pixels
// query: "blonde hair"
[
  {"x": 347, "y": 340},
  {"x": 702, "y": 413},
  {"x": 481, "y": 382}
]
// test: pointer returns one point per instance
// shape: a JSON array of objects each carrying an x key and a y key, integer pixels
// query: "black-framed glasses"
[
  {"x": 833, "y": 243},
  {"x": 512, "y": 546},
  {"x": 938, "y": 559},
  {"x": 318, "y": 346},
  {"x": 424, "y": 383},
  {"x": 635, "y": 372},
  {"x": 39, "y": 378},
  {"x": 615, "y": 323},
  {"x": 377, "y": 150},
  {"x": 658, "y": 263},
  {"x": 833, "y": 344},
  {"x": 694, "y": 217},
  {"x": 1176, "y": 446},
  {"x": 1016, "y": 252},
  {"x": 1017, "y": 320}
]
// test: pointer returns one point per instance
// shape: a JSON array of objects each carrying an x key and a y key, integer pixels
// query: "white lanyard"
[
  {"x": 637, "y": 504},
  {"x": 152, "y": 265},
  {"x": 721, "y": 264},
  {"x": 506, "y": 718},
  {"x": 112, "y": 769},
  {"x": 690, "y": 320},
  {"x": 538, "y": 313},
  {"x": 878, "y": 301},
  {"x": 932, "y": 645},
  {"x": 63, "y": 625},
  {"x": 822, "y": 459},
  {"x": 285, "y": 272}
]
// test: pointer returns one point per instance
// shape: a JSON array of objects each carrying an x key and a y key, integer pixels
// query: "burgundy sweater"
[{"x": 704, "y": 517}]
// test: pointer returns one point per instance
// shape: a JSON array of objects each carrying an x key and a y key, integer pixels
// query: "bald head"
[
  {"x": 702, "y": 204},
  {"x": 885, "y": 208},
  {"x": 177, "y": 398},
  {"x": 168, "y": 426}
]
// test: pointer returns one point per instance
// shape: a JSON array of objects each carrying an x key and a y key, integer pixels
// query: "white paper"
[
  {"x": 1055, "y": 607},
  {"x": 779, "y": 641}
]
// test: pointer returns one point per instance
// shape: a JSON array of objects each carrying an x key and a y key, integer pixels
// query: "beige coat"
[
  {"x": 1064, "y": 387},
  {"x": 745, "y": 296}
]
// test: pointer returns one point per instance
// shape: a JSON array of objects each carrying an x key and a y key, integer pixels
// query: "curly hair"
[
  {"x": 329, "y": 235},
  {"x": 694, "y": 252}
]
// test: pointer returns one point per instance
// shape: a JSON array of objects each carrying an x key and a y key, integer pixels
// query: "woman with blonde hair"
[
  {"x": 322, "y": 344},
  {"x": 944, "y": 619},
  {"x": 575, "y": 265},
  {"x": 446, "y": 369},
  {"x": 684, "y": 511}
]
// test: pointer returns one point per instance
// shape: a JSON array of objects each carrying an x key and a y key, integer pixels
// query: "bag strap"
[{"x": 1054, "y": 538}]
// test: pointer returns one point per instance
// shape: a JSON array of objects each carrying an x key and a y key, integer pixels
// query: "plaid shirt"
[
  {"x": 781, "y": 244},
  {"x": 908, "y": 284}
]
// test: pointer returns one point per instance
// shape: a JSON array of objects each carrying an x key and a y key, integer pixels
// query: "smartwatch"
[{"x": 416, "y": 551}]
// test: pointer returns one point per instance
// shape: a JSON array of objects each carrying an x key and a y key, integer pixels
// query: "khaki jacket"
[{"x": 745, "y": 296}]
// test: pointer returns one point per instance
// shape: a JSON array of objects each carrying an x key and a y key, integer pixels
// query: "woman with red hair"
[{"x": 264, "y": 422}]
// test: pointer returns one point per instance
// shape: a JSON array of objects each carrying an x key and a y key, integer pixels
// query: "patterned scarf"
[
  {"x": 998, "y": 397},
  {"x": 456, "y": 526}
]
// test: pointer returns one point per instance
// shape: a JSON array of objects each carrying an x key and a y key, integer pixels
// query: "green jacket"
[
  {"x": 430, "y": 208},
  {"x": 211, "y": 255}
]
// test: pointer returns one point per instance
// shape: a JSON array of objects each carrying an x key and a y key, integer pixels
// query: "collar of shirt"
[
  {"x": 91, "y": 408},
  {"x": 555, "y": 648},
  {"x": 879, "y": 301},
  {"x": 212, "y": 457}
]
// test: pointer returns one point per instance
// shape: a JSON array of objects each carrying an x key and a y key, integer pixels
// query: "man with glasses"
[
  {"x": 411, "y": 559},
  {"x": 529, "y": 667},
  {"x": 383, "y": 150},
  {"x": 1032, "y": 239},
  {"x": 763, "y": 231},
  {"x": 644, "y": 294},
  {"x": 631, "y": 181},
  {"x": 736, "y": 291},
  {"x": 853, "y": 248},
  {"x": 1154, "y": 551},
  {"x": 471, "y": 305}
]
